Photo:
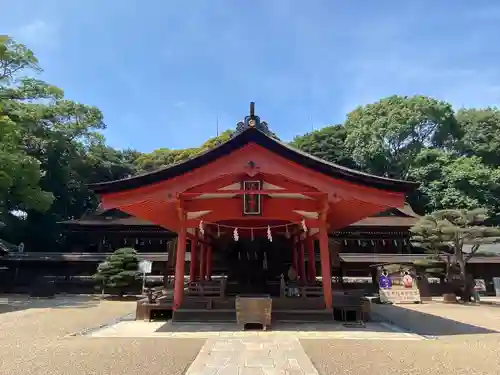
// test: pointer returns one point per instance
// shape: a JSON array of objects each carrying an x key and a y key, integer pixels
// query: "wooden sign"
[
  {"x": 252, "y": 204},
  {"x": 400, "y": 295}
]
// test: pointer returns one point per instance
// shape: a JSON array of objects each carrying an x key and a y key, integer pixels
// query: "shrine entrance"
[{"x": 255, "y": 265}]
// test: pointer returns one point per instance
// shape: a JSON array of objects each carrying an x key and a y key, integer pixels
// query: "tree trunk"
[{"x": 466, "y": 296}]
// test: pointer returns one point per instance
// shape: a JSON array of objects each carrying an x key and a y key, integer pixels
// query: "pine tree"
[
  {"x": 119, "y": 270},
  {"x": 445, "y": 232}
]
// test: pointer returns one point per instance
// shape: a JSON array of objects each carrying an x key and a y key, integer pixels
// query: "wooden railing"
[
  {"x": 302, "y": 291},
  {"x": 207, "y": 288}
]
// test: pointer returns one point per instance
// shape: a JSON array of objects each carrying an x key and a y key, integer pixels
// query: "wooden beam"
[
  {"x": 217, "y": 183},
  {"x": 285, "y": 183},
  {"x": 189, "y": 195},
  {"x": 214, "y": 217},
  {"x": 270, "y": 205}
]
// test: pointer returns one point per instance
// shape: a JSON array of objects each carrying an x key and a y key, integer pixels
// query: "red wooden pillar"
[
  {"x": 326, "y": 272},
  {"x": 203, "y": 260},
  {"x": 179, "y": 265},
  {"x": 294, "y": 254},
  {"x": 311, "y": 259},
  {"x": 194, "y": 259},
  {"x": 302, "y": 263},
  {"x": 209, "y": 262}
]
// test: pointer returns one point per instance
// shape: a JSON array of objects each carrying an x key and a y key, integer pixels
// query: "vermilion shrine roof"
[{"x": 254, "y": 131}]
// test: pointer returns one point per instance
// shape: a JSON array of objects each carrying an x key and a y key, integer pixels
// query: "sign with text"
[
  {"x": 397, "y": 295},
  {"x": 480, "y": 285},
  {"x": 145, "y": 266},
  {"x": 252, "y": 201}
]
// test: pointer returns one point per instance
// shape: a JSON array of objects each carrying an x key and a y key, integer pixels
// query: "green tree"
[
  {"x": 449, "y": 181},
  {"x": 481, "y": 134},
  {"x": 55, "y": 149},
  {"x": 20, "y": 173},
  {"x": 327, "y": 143},
  {"x": 119, "y": 271},
  {"x": 163, "y": 157},
  {"x": 385, "y": 137},
  {"x": 444, "y": 233}
]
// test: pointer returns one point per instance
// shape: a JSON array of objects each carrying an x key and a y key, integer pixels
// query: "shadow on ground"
[
  {"x": 276, "y": 326},
  {"x": 425, "y": 324},
  {"x": 13, "y": 303}
]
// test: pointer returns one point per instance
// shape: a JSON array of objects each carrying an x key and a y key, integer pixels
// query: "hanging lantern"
[
  {"x": 287, "y": 233},
  {"x": 200, "y": 227},
  {"x": 304, "y": 226},
  {"x": 269, "y": 234},
  {"x": 236, "y": 236}
]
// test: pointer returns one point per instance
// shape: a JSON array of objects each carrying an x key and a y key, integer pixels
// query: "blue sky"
[{"x": 162, "y": 71}]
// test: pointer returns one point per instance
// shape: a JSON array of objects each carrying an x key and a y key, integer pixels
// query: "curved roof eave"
[{"x": 256, "y": 136}]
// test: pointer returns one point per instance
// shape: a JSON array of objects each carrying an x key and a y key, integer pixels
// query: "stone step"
[
  {"x": 307, "y": 316},
  {"x": 197, "y": 315}
]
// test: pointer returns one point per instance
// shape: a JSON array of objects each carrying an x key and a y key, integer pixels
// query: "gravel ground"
[
  {"x": 471, "y": 355},
  {"x": 34, "y": 340}
]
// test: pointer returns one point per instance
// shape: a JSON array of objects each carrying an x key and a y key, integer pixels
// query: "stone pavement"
[
  {"x": 252, "y": 356},
  {"x": 140, "y": 329}
]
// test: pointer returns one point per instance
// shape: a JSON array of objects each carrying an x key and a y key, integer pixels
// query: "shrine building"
[{"x": 265, "y": 208}]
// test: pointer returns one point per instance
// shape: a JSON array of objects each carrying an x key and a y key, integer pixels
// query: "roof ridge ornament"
[{"x": 252, "y": 121}]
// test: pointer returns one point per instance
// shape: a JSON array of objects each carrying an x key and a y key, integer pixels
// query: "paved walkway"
[
  {"x": 140, "y": 329},
  {"x": 252, "y": 356}
]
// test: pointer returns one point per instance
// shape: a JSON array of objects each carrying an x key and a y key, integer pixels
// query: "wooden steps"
[
  {"x": 302, "y": 316},
  {"x": 197, "y": 315}
]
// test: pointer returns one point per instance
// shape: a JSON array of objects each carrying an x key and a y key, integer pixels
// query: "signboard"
[
  {"x": 496, "y": 284},
  {"x": 406, "y": 295},
  {"x": 480, "y": 285},
  {"x": 145, "y": 266},
  {"x": 251, "y": 201}
]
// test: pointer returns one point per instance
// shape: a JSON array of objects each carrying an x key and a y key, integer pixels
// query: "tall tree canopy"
[
  {"x": 385, "y": 137},
  {"x": 50, "y": 148},
  {"x": 481, "y": 134},
  {"x": 327, "y": 143},
  {"x": 448, "y": 181}
]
